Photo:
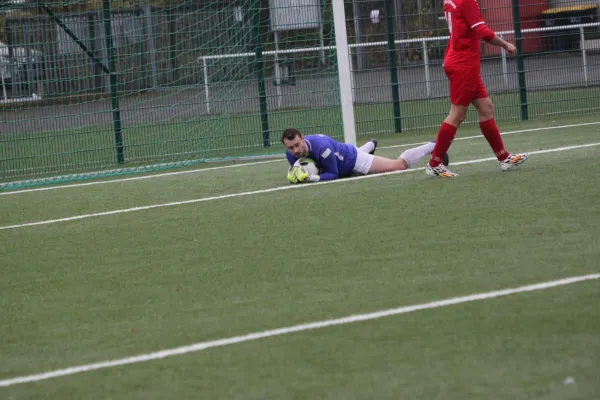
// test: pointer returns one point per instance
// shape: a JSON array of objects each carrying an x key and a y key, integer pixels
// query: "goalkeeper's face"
[{"x": 296, "y": 146}]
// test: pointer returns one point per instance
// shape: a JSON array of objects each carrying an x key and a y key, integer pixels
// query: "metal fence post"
[
  {"x": 260, "y": 71},
  {"x": 150, "y": 36},
  {"x": 504, "y": 66},
  {"x": 520, "y": 60},
  {"x": 206, "y": 83},
  {"x": 393, "y": 66},
  {"x": 114, "y": 95},
  {"x": 426, "y": 64},
  {"x": 583, "y": 54}
]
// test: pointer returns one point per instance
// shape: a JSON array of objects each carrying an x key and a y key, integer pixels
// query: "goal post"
[{"x": 344, "y": 73}]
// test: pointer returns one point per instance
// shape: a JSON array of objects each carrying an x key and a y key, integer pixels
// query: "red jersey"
[{"x": 466, "y": 29}]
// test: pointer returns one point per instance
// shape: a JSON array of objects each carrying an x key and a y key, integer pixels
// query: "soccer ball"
[{"x": 307, "y": 165}]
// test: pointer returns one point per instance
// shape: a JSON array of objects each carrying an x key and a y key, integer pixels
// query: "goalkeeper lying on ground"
[{"x": 338, "y": 160}]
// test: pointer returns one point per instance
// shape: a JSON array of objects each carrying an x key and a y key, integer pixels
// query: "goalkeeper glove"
[
  {"x": 304, "y": 177},
  {"x": 292, "y": 174},
  {"x": 297, "y": 175}
]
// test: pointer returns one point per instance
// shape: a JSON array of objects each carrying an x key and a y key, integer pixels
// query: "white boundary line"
[
  {"x": 291, "y": 329},
  {"x": 275, "y": 189},
  {"x": 138, "y": 178},
  {"x": 503, "y": 134}
]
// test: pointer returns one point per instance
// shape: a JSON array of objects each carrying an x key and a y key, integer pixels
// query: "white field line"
[
  {"x": 503, "y": 134},
  {"x": 275, "y": 189},
  {"x": 291, "y": 329},
  {"x": 138, "y": 178}
]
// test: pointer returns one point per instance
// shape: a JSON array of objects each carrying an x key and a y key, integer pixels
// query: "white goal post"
[{"x": 344, "y": 74}]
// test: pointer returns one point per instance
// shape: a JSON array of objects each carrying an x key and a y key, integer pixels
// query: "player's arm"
[
  {"x": 498, "y": 41},
  {"x": 328, "y": 162},
  {"x": 471, "y": 14}
]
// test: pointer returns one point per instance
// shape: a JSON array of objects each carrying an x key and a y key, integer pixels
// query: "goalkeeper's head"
[{"x": 293, "y": 141}]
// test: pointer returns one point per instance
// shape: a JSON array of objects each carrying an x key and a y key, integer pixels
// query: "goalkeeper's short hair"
[{"x": 290, "y": 134}]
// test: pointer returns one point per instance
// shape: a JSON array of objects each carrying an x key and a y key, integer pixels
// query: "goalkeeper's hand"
[
  {"x": 292, "y": 174},
  {"x": 297, "y": 175},
  {"x": 304, "y": 177}
]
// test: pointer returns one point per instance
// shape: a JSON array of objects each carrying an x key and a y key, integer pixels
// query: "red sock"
[
  {"x": 443, "y": 141},
  {"x": 492, "y": 135}
]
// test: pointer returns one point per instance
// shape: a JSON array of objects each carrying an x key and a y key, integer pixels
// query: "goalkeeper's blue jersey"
[{"x": 335, "y": 159}]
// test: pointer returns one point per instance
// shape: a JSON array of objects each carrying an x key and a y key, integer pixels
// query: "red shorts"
[{"x": 466, "y": 85}]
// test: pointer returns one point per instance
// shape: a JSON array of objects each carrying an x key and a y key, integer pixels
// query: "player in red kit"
[{"x": 462, "y": 65}]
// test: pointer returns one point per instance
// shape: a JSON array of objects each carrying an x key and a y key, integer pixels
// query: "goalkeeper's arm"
[{"x": 328, "y": 164}]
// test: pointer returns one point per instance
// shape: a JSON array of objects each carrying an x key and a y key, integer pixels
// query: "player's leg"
[
  {"x": 416, "y": 154},
  {"x": 369, "y": 164},
  {"x": 462, "y": 85},
  {"x": 489, "y": 129},
  {"x": 445, "y": 136},
  {"x": 368, "y": 147},
  {"x": 446, "y": 133},
  {"x": 485, "y": 114},
  {"x": 381, "y": 165},
  {"x": 408, "y": 159}
]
